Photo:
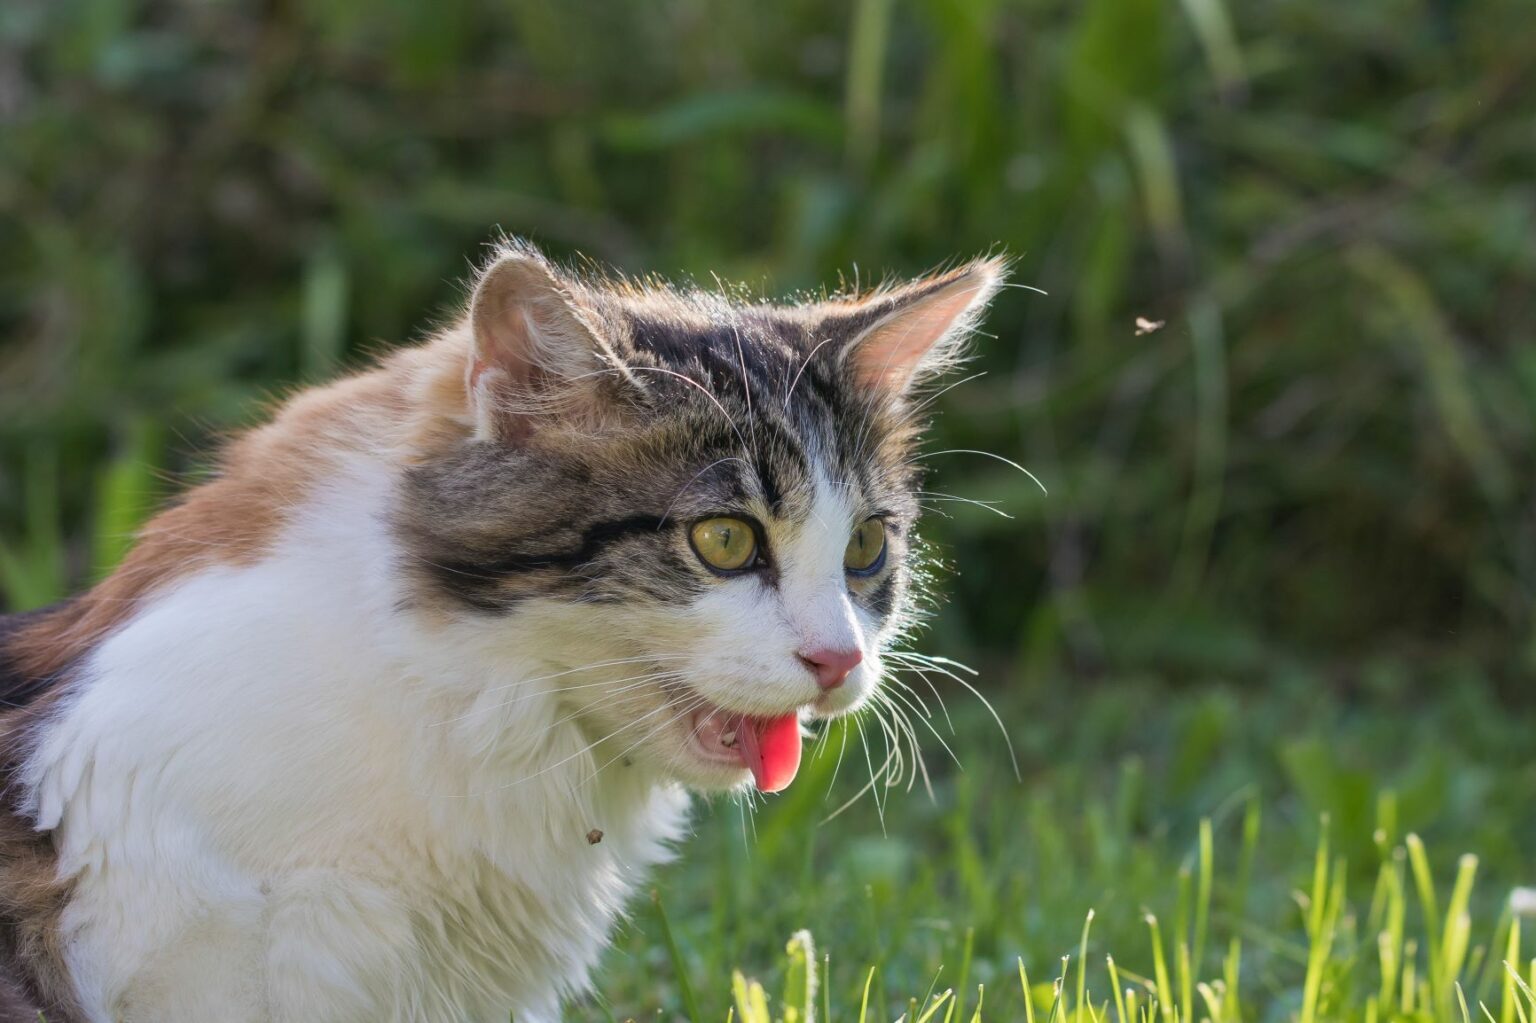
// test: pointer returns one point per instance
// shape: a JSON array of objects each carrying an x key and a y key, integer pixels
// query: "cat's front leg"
[
  {"x": 341, "y": 948},
  {"x": 303, "y": 946},
  {"x": 145, "y": 950}
]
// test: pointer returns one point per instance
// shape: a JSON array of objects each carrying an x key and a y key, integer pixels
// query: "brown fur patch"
[{"x": 232, "y": 519}]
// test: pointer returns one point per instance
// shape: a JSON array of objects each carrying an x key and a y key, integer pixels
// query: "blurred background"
[{"x": 1281, "y": 386}]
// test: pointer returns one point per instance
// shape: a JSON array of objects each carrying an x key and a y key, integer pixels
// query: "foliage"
[{"x": 1321, "y": 457}]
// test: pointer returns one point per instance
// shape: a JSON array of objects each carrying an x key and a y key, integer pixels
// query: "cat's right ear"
[{"x": 533, "y": 344}]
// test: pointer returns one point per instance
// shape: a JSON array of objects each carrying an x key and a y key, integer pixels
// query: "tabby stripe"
[
  {"x": 883, "y": 600},
  {"x": 594, "y": 541}
]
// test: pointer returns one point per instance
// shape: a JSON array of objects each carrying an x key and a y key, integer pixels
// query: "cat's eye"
[
  {"x": 726, "y": 544},
  {"x": 866, "y": 548}
]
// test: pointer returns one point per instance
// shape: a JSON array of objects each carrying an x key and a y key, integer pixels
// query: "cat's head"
[{"x": 702, "y": 507}]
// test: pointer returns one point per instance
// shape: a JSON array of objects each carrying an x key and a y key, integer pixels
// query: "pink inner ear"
[
  {"x": 476, "y": 367},
  {"x": 921, "y": 331},
  {"x": 528, "y": 337}
]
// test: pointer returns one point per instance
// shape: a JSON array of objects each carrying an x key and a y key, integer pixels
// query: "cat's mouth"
[{"x": 769, "y": 747}]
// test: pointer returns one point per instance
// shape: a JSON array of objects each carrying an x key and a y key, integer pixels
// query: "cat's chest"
[{"x": 491, "y": 925}]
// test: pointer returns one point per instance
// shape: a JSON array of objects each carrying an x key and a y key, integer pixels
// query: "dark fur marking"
[
  {"x": 883, "y": 600},
  {"x": 594, "y": 540},
  {"x": 32, "y": 982},
  {"x": 478, "y": 583},
  {"x": 19, "y": 687}
]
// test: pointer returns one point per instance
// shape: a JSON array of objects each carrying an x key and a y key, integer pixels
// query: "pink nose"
[{"x": 831, "y": 667}]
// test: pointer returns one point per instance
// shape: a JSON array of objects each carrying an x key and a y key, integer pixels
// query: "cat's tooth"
[{"x": 728, "y": 739}]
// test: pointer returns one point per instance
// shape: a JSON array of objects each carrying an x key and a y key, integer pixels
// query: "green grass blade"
[
  {"x": 1203, "y": 884},
  {"x": 1418, "y": 861},
  {"x": 1114, "y": 983},
  {"x": 1318, "y": 903},
  {"x": 679, "y": 965},
  {"x": 936, "y": 1003},
  {"x": 1160, "y": 971},
  {"x": 1458, "y": 924},
  {"x": 1186, "y": 979},
  {"x": 1029, "y": 1002},
  {"x": 1232, "y": 972},
  {"x": 1253, "y": 819},
  {"x": 826, "y": 987},
  {"x": 1082, "y": 968},
  {"x": 962, "y": 982},
  {"x": 125, "y": 491},
  {"x": 1511, "y": 956},
  {"x": 1218, "y": 41},
  {"x": 800, "y": 979},
  {"x": 866, "y": 62}
]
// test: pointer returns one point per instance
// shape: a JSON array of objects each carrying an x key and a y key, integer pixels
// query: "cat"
[{"x": 388, "y": 719}]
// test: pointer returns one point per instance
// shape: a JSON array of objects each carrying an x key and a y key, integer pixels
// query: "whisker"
[
  {"x": 651, "y": 658},
  {"x": 671, "y": 504},
  {"x": 937, "y": 664},
  {"x": 874, "y": 775},
  {"x": 917, "y": 753},
  {"x": 634, "y": 682},
  {"x": 746, "y": 385},
  {"x": 890, "y": 736},
  {"x": 864, "y": 742},
  {"x": 929, "y": 725},
  {"x": 936, "y": 395},
  {"x": 688, "y": 379},
  {"x": 935, "y": 659},
  {"x": 687, "y": 708},
  {"x": 841, "y": 749},
  {"x": 985, "y": 454},
  {"x": 586, "y": 749},
  {"x": 891, "y": 677},
  {"x": 934, "y": 495},
  {"x": 918, "y": 761},
  {"x": 795, "y": 382},
  {"x": 920, "y": 673}
]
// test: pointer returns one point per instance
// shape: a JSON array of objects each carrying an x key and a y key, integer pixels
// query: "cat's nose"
[{"x": 831, "y": 666}]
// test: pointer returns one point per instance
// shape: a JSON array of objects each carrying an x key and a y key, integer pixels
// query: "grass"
[{"x": 1179, "y": 867}]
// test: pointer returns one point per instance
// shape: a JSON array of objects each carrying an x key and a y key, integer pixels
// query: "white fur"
[
  {"x": 281, "y": 796},
  {"x": 746, "y": 634}
]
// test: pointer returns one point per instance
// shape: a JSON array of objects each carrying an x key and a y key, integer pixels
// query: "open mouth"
[{"x": 769, "y": 747}]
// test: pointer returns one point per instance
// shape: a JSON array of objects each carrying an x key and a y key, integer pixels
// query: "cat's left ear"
[
  {"x": 534, "y": 349},
  {"x": 911, "y": 333}
]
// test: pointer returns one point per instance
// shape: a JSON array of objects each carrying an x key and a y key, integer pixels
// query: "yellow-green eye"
[
  {"x": 866, "y": 547},
  {"x": 725, "y": 543}
]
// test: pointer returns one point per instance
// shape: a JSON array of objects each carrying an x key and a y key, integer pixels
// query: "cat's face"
[{"x": 704, "y": 509}]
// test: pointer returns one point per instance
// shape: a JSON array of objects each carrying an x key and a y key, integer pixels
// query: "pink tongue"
[{"x": 771, "y": 748}]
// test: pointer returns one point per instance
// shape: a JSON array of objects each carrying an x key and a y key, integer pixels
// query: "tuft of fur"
[{"x": 334, "y": 741}]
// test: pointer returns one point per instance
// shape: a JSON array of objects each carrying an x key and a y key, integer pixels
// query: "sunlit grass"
[
  {"x": 1366, "y": 968},
  {"x": 1154, "y": 869}
]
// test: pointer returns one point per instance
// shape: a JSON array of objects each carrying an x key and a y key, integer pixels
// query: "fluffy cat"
[{"x": 388, "y": 719}]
